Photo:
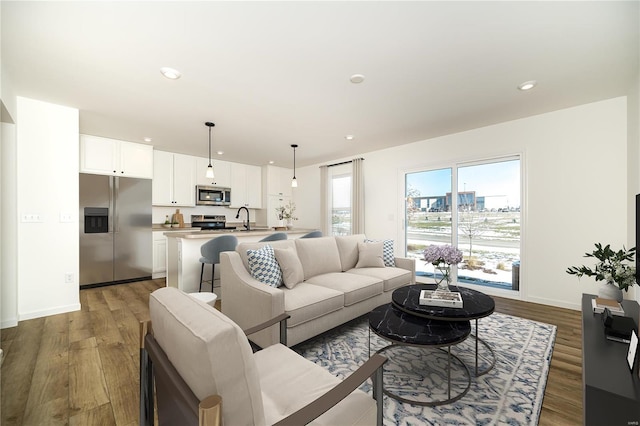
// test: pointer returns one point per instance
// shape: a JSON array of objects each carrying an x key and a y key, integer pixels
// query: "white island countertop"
[
  {"x": 240, "y": 233},
  {"x": 183, "y": 254}
]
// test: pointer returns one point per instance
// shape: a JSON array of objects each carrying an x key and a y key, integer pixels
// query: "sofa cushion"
[
  {"x": 348, "y": 249},
  {"x": 318, "y": 256},
  {"x": 264, "y": 267},
  {"x": 306, "y": 302},
  {"x": 388, "y": 255},
  {"x": 242, "y": 248},
  {"x": 218, "y": 352},
  {"x": 393, "y": 277},
  {"x": 290, "y": 265},
  {"x": 306, "y": 382},
  {"x": 356, "y": 288},
  {"x": 370, "y": 255}
]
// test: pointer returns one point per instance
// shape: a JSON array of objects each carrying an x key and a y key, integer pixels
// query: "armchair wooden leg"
[
  {"x": 146, "y": 381},
  {"x": 210, "y": 411},
  {"x": 378, "y": 395},
  {"x": 283, "y": 332}
]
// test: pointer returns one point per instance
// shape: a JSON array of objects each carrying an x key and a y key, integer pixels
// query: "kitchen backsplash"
[{"x": 159, "y": 213}]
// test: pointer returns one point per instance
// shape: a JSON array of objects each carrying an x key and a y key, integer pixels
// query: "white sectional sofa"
[{"x": 329, "y": 281}]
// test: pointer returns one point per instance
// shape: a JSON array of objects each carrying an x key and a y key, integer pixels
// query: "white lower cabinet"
[{"x": 159, "y": 255}]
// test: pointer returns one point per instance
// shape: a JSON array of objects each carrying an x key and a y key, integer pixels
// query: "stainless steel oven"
[{"x": 212, "y": 196}]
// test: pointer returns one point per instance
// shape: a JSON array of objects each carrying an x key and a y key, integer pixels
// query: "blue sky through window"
[{"x": 501, "y": 179}]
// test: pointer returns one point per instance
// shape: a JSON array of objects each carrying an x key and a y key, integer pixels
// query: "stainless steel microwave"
[{"x": 212, "y": 196}]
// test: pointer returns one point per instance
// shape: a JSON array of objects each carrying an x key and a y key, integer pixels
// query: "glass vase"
[{"x": 445, "y": 280}]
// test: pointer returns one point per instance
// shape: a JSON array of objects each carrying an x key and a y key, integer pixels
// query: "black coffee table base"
[
  {"x": 492, "y": 354},
  {"x": 436, "y": 403},
  {"x": 476, "y": 305},
  {"x": 405, "y": 330}
]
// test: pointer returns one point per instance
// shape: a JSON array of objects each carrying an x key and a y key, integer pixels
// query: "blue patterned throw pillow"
[
  {"x": 388, "y": 255},
  {"x": 264, "y": 266}
]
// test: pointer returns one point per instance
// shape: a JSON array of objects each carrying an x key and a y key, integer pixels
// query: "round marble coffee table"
[
  {"x": 476, "y": 305},
  {"x": 405, "y": 329}
]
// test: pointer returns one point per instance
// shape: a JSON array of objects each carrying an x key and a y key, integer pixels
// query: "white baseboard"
[
  {"x": 8, "y": 323},
  {"x": 53, "y": 311}
]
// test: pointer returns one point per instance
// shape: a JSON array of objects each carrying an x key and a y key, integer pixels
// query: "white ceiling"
[{"x": 270, "y": 74}]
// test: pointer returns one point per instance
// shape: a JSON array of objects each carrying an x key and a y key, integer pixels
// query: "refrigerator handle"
[
  {"x": 111, "y": 205},
  {"x": 116, "y": 194}
]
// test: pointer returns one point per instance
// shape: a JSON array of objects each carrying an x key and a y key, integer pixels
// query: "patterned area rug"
[{"x": 511, "y": 393}]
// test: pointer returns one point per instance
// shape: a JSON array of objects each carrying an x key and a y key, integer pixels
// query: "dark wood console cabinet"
[{"x": 611, "y": 392}]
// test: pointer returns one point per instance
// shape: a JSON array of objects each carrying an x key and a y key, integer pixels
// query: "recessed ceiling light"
[
  {"x": 527, "y": 85},
  {"x": 170, "y": 73},
  {"x": 271, "y": 161},
  {"x": 357, "y": 78},
  {"x": 148, "y": 139},
  {"x": 220, "y": 152},
  {"x": 349, "y": 137}
]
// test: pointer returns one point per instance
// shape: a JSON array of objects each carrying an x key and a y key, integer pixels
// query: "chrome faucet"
[{"x": 247, "y": 226}]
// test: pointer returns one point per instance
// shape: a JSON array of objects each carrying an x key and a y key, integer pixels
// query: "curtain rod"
[{"x": 343, "y": 162}]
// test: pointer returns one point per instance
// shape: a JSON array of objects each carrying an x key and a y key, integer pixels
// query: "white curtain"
[
  {"x": 357, "y": 197},
  {"x": 324, "y": 201}
]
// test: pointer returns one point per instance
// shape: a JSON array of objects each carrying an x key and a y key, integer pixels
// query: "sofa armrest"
[
  {"x": 247, "y": 301},
  {"x": 409, "y": 264}
]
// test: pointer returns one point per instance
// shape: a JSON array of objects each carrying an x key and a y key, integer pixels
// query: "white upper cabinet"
[
  {"x": 104, "y": 156},
  {"x": 221, "y": 171},
  {"x": 246, "y": 186},
  {"x": 173, "y": 179},
  {"x": 277, "y": 180}
]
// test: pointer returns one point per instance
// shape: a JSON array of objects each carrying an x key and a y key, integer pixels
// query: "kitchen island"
[{"x": 183, "y": 255}]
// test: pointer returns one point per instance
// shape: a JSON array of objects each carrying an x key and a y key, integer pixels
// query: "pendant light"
[
  {"x": 209, "y": 174},
  {"x": 294, "y": 182}
]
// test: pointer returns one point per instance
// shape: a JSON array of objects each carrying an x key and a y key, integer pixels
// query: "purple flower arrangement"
[{"x": 438, "y": 255}]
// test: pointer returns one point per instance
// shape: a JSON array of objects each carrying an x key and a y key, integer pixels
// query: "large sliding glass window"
[
  {"x": 340, "y": 198},
  {"x": 474, "y": 206}
]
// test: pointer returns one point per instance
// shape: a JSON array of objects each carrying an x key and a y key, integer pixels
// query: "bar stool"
[
  {"x": 313, "y": 234},
  {"x": 210, "y": 252},
  {"x": 275, "y": 237}
]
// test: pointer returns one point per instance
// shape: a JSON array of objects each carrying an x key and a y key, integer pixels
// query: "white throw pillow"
[
  {"x": 290, "y": 265},
  {"x": 264, "y": 266},
  {"x": 370, "y": 255},
  {"x": 388, "y": 254}
]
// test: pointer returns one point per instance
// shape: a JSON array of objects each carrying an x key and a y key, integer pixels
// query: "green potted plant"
[
  {"x": 614, "y": 267},
  {"x": 167, "y": 222}
]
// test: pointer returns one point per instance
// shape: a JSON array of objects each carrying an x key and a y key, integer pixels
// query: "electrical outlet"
[
  {"x": 68, "y": 278},
  {"x": 66, "y": 217}
]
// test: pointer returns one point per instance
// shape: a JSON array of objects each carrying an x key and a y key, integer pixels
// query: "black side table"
[
  {"x": 402, "y": 328},
  {"x": 476, "y": 305},
  {"x": 611, "y": 392}
]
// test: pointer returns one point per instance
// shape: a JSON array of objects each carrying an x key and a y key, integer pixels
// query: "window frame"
[{"x": 454, "y": 166}]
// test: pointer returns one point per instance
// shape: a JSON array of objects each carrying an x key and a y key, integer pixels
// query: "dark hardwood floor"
[{"x": 81, "y": 368}]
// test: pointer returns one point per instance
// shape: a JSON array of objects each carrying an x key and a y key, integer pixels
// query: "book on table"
[
  {"x": 444, "y": 299},
  {"x": 598, "y": 304}
]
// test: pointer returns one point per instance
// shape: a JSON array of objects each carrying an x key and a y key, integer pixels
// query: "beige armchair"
[{"x": 206, "y": 373}]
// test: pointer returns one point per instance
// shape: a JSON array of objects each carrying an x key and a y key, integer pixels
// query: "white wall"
[
  {"x": 575, "y": 165},
  {"x": 633, "y": 164},
  {"x": 47, "y": 185},
  {"x": 8, "y": 224}
]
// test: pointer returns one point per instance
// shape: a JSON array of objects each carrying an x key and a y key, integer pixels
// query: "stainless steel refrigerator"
[{"x": 115, "y": 230}]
